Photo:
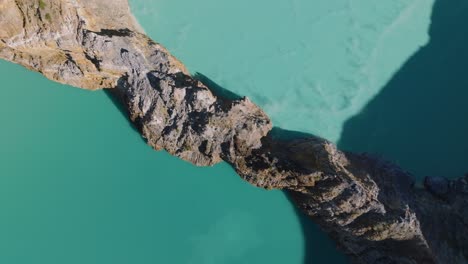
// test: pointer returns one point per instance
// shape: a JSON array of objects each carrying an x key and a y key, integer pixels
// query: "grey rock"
[
  {"x": 438, "y": 186},
  {"x": 370, "y": 207}
]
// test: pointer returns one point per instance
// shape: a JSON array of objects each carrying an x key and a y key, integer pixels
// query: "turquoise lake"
[{"x": 79, "y": 185}]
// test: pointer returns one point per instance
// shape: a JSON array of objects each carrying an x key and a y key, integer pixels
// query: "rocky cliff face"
[{"x": 370, "y": 207}]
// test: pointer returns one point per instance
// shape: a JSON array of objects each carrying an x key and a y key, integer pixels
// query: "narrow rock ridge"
[{"x": 370, "y": 207}]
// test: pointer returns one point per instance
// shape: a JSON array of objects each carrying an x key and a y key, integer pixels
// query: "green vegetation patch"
[{"x": 42, "y": 4}]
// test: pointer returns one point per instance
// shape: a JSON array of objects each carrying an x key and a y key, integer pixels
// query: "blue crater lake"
[{"x": 78, "y": 185}]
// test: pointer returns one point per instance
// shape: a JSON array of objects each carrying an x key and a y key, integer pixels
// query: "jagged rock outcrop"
[{"x": 370, "y": 207}]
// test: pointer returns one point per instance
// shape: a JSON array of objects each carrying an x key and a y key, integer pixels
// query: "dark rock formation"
[{"x": 370, "y": 207}]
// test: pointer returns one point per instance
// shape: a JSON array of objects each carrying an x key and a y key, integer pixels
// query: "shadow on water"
[
  {"x": 419, "y": 119},
  {"x": 216, "y": 88},
  {"x": 120, "y": 105},
  {"x": 318, "y": 247}
]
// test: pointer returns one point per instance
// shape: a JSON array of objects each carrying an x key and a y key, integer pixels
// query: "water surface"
[{"x": 78, "y": 185}]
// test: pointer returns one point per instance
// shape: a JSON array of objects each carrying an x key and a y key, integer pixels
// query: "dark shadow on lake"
[
  {"x": 318, "y": 247},
  {"x": 420, "y": 118},
  {"x": 119, "y": 103}
]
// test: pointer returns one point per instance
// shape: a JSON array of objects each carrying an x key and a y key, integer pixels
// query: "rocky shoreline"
[{"x": 370, "y": 207}]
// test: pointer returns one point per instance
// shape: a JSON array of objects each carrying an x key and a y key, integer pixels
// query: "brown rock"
[{"x": 369, "y": 206}]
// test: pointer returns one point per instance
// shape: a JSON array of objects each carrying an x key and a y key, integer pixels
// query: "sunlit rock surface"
[{"x": 370, "y": 207}]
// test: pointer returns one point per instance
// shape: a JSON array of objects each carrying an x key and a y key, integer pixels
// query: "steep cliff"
[{"x": 370, "y": 207}]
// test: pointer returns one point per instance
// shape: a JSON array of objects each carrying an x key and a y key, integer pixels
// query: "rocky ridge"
[{"x": 371, "y": 207}]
